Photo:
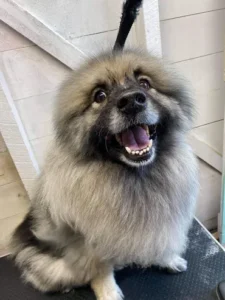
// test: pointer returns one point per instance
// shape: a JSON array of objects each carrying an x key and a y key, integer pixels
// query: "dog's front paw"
[
  {"x": 105, "y": 287},
  {"x": 67, "y": 290},
  {"x": 109, "y": 294},
  {"x": 177, "y": 265}
]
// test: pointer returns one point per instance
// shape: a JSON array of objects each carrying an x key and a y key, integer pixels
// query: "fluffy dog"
[{"x": 119, "y": 183}]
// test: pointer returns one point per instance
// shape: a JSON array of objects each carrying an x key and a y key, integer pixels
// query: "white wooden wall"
[
  {"x": 192, "y": 33},
  {"x": 31, "y": 79},
  {"x": 69, "y": 30}
]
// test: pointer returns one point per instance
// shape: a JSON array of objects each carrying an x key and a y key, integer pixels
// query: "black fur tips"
[{"x": 129, "y": 14}]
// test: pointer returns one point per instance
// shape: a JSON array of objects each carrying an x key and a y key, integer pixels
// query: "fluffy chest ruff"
[{"x": 125, "y": 216}]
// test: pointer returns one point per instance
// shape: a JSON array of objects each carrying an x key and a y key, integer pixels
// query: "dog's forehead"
[
  {"x": 118, "y": 69},
  {"x": 113, "y": 69}
]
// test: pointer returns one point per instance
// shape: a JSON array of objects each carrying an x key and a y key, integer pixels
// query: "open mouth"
[{"x": 137, "y": 141}]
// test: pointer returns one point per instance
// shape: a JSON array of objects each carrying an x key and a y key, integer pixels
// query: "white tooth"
[
  {"x": 150, "y": 144},
  {"x": 140, "y": 153},
  {"x": 137, "y": 152},
  {"x": 133, "y": 152},
  {"x": 147, "y": 149},
  {"x": 128, "y": 149}
]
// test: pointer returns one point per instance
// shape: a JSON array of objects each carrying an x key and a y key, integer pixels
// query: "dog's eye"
[
  {"x": 100, "y": 96},
  {"x": 144, "y": 83}
]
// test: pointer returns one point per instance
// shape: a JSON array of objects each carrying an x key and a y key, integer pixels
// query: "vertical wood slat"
[
  {"x": 222, "y": 209},
  {"x": 16, "y": 134}
]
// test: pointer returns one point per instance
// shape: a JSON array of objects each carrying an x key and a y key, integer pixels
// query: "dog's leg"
[
  {"x": 171, "y": 258},
  {"x": 104, "y": 285},
  {"x": 173, "y": 263}
]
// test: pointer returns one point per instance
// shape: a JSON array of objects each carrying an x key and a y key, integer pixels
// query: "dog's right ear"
[{"x": 129, "y": 14}]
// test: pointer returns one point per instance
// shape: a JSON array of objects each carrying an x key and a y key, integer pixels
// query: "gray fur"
[{"x": 92, "y": 210}]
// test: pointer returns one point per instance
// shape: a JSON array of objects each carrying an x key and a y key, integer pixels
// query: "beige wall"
[{"x": 193, "y": 39}]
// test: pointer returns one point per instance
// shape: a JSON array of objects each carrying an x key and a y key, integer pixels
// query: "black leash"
[{"x": 129, "y": 15}]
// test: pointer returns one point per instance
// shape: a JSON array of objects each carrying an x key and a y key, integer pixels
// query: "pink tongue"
[{"x": 135, "y": 138}]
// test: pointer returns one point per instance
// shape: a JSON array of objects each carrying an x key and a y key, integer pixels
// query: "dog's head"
[{"x": 126, "y": 107}]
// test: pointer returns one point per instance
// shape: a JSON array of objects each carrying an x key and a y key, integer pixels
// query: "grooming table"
[{"x": 206, "y": 268}]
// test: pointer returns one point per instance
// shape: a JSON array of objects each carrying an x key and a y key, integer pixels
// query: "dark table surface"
[{"x": 206, "y": 268}]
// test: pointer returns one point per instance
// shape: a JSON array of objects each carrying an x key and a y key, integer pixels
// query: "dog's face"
[{"x": 123, "y": 107}]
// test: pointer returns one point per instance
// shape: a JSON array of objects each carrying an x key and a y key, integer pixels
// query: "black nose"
[{"x": 132, "y": 102}]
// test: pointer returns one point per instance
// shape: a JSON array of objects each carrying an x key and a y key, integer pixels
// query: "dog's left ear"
[{"x": 129, "y": 14}]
